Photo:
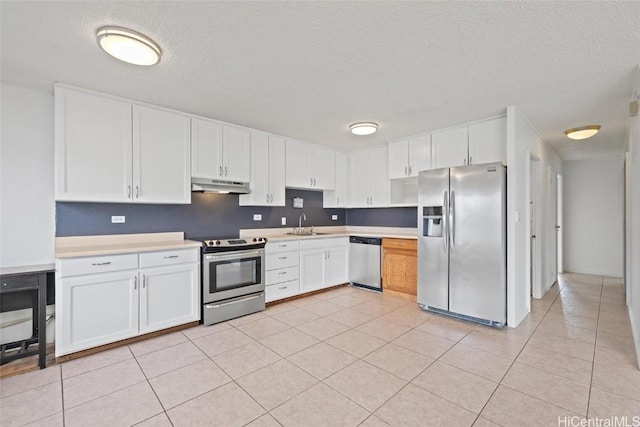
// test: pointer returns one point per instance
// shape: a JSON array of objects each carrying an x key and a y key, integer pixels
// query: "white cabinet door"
[
  {"x": 161, "y": 156},
  {"x": 236, "y": 154},
  {"x": 260, "y": 192},
  {"x": 398, "y": 159},
  {"x": 169, "y": 296},
  {"x": 488, "y": 142},
  {"x": 336, "y": 269},
  {"x": 93, "y": 142},
  {"x": 312, "y": 270},
  {"x": 323, "y": 164},
  {"x": 419, "y": 154},
  {"x": 95, "y": 310},
  {"x": 298, "y": 170},
  {"x": 450, "y": 148},
  {"x": 359, "y": 179},
  {"x": 277, "y": 171},
  {"x": 379, "y": 186},
  {"x": 206, "y": 149},
  {"x": 338, "y": 198}
]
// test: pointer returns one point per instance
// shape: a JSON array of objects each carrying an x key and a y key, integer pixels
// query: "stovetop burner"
[{"x": 236, "y": 244}]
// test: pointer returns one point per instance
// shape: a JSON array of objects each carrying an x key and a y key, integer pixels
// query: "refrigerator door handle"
[
  {"x": 445, "y": 224},
  {"x": 452, "y": 219}
]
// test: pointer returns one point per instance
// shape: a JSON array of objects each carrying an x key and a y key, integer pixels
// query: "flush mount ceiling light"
[
  {"x": 128, "y": 46},
  {"x": 363, "y": 128},
  {"x": 583, "y": 132}
]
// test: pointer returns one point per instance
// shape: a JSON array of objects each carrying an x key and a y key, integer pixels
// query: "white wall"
[
  {"x": 522, "y": 142},
  {"x": 27, "y": 208},
  {"x": 593, "y": 216},
  {"x": 633, "y": 233}
]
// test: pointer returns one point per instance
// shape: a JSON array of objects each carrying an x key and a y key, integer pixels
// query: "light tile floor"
[{"x": 349, "y": 357}]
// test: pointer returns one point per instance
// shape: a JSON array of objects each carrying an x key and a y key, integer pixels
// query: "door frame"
[{"x": 533, "y": 251}]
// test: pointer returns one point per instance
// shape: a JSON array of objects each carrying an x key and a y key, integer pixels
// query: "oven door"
[{"x": 232, "y": 274}]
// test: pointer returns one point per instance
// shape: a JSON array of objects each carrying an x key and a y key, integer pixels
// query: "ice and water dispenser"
[{"x": 432, "y": 221}]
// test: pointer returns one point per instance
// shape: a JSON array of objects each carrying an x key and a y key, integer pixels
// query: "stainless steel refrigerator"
[{"x": 462, "y": 242}]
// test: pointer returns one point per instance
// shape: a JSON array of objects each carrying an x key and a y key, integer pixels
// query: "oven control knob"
[
  {"x": 217, "y": 242},
  {"x": 209, "y": 242},
  {"x": 255, "y": 240}
]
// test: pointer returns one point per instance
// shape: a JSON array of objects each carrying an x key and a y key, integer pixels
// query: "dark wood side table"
[{"x": 32, "y": 279}]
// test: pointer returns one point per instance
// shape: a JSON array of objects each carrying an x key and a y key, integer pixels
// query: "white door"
[
  {"x": 277, "y": 171},
  {"x": 419, "y": 154},
  {"x": 206, "y": 149},
  {"x": 399, "y": 159},
  {"x": 450, "y": 148},
  {"x": 298, "y": 164},
  {"x": 312, "y": 270},
  {"x": 323, "y": 164},
  {"x": 555, "y": 227},
  {"x": 169, "y": 296},
  {"x": 161, "y": 156},
  {"x": 379, "y": 186},
  {"x": 260, "y": 194},
  {"x": 97, "y": 309},
  {"x": 359, "y": 179},
  {"x": 92, "y": 148},
  {"x": 236, "y": 154},
  {"x": 336, "y": 269},
  {"x": 488, "y": 142}
]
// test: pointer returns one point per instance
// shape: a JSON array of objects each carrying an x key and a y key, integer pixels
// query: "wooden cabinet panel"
[{"x": 399, "y": 265}]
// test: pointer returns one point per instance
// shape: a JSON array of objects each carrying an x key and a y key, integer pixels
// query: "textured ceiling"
[{"x": 308, "y": 69}]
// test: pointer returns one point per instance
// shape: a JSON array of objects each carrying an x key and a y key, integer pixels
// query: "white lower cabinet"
[
  {"x": 108, "y": 298},
  {"x": 312, "y": 269},
  {"x": 282, "y": 270},
  {"x": 323, "y": 263}
]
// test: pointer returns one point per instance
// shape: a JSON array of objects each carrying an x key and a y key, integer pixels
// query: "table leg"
[{"x": 42, "y": 320}]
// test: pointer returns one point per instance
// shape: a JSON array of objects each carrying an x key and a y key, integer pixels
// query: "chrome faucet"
[{"x": 300, "y": 218}]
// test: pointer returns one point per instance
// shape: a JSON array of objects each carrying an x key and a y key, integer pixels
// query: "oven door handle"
[
  {"x": 234, "y": 302},
  {"x": 234, "y": 255}
]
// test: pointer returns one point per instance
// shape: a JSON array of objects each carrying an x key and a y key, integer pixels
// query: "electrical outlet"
[
  {"x": 334, "y": 217},
  {"x": 257, "y": 217},
  {"x": 284, "y": 220},
  {"x": 117, "y": 219}
]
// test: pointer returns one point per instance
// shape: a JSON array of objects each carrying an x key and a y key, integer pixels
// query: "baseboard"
[
  {"x": 635, "y": 333},
  {"x": 593, "y": 273}
]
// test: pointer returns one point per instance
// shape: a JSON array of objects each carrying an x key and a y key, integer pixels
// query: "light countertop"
[{"x": 67, "y": 247}]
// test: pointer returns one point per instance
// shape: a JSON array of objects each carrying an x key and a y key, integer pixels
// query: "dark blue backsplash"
[
  {"x": 208, "y": 215},
  {"x": 216, "y": 215}
]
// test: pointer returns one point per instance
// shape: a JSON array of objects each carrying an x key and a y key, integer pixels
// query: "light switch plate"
[
  {"x": 334, "y": 217},
  {"x": 257, "y": 217},
  {"x": 117, "y": 219},
  {"x": 284, "y": 220}
]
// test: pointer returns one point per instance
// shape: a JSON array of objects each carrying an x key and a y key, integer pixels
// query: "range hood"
[{"x": 217, "y": 186}]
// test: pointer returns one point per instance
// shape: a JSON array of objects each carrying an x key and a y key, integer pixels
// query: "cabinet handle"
[
  {"x": 337, "y": 201},
  {"x": 267, "y": 198},
  {"x": 137, "y": 192},
  {"x": 220, "y": 169},
  {"x": 282, "y": 257},
  {"x": 471, "y": 160},
  {"x": 409, "y": 170},
  {"x": 282, "y": 246},
  {"x": 314, "y": 182},
  {"x": 311, "y": 182},
  {"x": 102, "y": 263},
  {"x": 272, "y": 198},
  {"x": 282, "y": 288},
  {"x": 464, "y": 162},
  {"x": 128, "y": 192},
  {"x": 226, "y": 171},
  {"x": 144, "y": 281},
  {"x": 171, "y": 256},
  {"x": 328, "y": 255},
  {"x": 282, "y": 272},
  {"x": 135, "y": 283},
  {"x": 405, "y": 171}
]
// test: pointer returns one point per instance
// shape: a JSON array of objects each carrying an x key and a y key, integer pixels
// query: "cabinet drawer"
[
  {"x": 313, "y": 244},
  {"x": 408, "y": 244},
  {"x": 276, "y": 247},
  {"x": 338, "y": 241},
  {"x": 281, "y": 260},
  {"x": 98, "y": 264},
  {"x": 178, "y": 256},
  {"x": 282, "y": 290},
  {"x": 282, "y": 275}
]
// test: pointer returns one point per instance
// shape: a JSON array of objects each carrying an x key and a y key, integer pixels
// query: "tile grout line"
[{"x": 595, "y": 344}]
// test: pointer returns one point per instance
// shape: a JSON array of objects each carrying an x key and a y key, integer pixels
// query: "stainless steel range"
[{"x": 232, "y": 278}]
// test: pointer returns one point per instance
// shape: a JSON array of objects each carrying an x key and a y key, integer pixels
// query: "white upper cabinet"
[
  {"x": 220, "y": 151},
  {"x": 369, "y": 179},
  {"x": 338, "y": 198},
  {"x": 267, "y": 172},
  {"x": 450, "y": 148},
  {"x": 309, "y": 166},
  {"x": 161, "y": 156},
  {"x": 93, "y": 140},
  {"x": 409, "y": 156},
  {"x": 488, "y": 142}
]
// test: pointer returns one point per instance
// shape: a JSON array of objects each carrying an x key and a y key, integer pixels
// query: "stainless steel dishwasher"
[{"x": 364, "y": 262}]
